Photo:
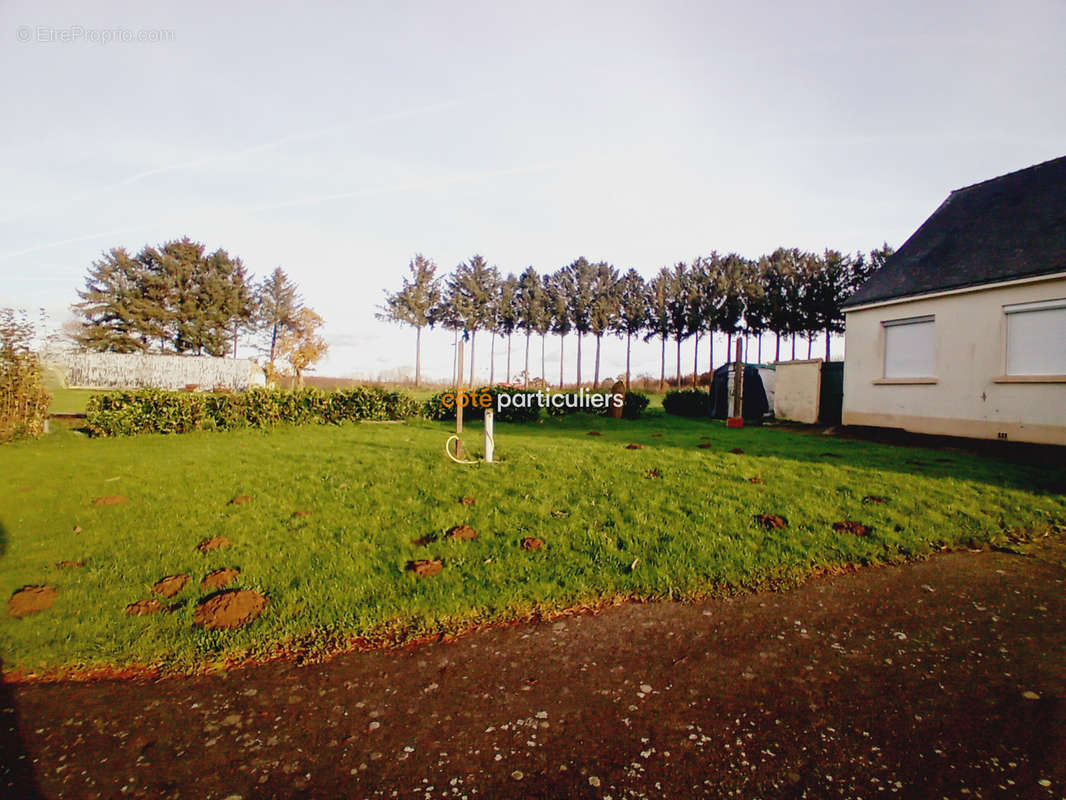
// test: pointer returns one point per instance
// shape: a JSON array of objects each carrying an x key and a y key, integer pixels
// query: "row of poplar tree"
[
  {"x": 787, "y": 293},
  {"x": 178, "y": 297}
]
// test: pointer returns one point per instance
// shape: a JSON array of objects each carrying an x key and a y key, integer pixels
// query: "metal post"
[
  {"x": 489, "y": 446},
  {"x": 738, "y": 383}
]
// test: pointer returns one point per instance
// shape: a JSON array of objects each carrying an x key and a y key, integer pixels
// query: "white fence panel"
[{"x": 147, "y": 370}]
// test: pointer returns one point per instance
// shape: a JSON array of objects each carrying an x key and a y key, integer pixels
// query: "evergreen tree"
[
  {"x": 731, "y": 277},
  {"x": 679, "y": 286},
  {"x": 659, "y": 294},
  {"x": 604, "y": 312},
  {"x": 532, "y": 306},
  {"x": 578, "y": 284},
  {"x": 414, "y": 303},
  {"x": 507, "y": 313},
  {"x": 472, "y": 288},
  {"x": 112, "y": 305},
  {"x": 632, "y": 319},
  {"x": 558, "y": 308},
  {"x": 277, "y": 305}
]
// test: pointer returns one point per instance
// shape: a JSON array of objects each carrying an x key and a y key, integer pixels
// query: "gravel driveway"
[{"x": 944, "y": 678}]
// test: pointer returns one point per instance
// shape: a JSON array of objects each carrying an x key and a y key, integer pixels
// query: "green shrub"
[
  {"x": 160, "y": 411},
  {"x": 634, "y": 405},
  {"x": 23, "y": 398},
  {"x": 687, "y": 403}
]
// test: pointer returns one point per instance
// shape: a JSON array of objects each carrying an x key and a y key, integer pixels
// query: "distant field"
[{"x": 669, "y": 520}]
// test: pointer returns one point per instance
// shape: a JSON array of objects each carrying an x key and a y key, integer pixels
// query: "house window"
[
  {"x": 1036, "y": 338},
  {"x": 909, "y": 347}
]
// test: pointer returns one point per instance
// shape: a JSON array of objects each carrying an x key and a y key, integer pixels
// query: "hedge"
[
  {"x": 688, "y": 403},
  {"x": 161, "y": 411}
]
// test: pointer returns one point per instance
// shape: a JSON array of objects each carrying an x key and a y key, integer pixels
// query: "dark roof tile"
[{"x": 1013, "y": 226}]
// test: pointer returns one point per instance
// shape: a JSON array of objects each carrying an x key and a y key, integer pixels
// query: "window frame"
[
  {"x": 885, "y": 380},
  {"x": 1021, "y": 308}
]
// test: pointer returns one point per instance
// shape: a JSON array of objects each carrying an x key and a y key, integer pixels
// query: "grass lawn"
[
  {"x": 69, "y": 401},
  {"x": 669, "y": 520}
]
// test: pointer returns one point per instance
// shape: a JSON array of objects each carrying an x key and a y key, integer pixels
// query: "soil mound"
[
  {"x": 143, "y": 608},
  {"x": 771, "y": 521},
  {"x": 70, "y": 564},
  {"x": 110, "y": 500},
  {"x": 532, "y": 543},
  {"x": 633, "y": 446},
  {"x": 850, "y": 526},
  {"x": 220, "y": 578},
  {"x": 704, "y": 445},
  {"x": 737, "y": 451},
  {"x": 463, "y": 533},
  {"x": 214, "y": 543},
  {"x": 298, "y": 514},
  {"x": 30, "y": 600},
  {"x": 593, "y": 433},
  {"x": 424, "y": 568},
  {"x": 241, "y": 499},
  {"x": 653, "y": 473},
  {"x": 170, "y": 585},
  {"x": 756, "y": 480},
  {"x": 467, "y": 501},
  {"x": 231, "y": 609},
  {"x": 873, "y": 498}
]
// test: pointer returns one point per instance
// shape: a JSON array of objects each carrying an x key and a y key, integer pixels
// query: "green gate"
[{"x": 831, "y": 400}]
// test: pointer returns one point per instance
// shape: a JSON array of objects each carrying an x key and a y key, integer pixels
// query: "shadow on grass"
[
  {"x": 16, "y": 766},
  {"x": 1030, "y": 468}
]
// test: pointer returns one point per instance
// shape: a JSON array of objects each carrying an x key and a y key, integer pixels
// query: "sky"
[{"x": 336, "y": 140}]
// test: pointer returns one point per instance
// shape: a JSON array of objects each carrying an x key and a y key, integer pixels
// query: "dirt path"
[{"x": 940, "y": 679}]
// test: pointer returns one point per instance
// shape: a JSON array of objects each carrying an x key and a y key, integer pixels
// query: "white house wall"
[{"x": 969, "y": 395}]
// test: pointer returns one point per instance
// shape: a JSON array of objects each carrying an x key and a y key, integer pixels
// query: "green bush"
[
  {"x": 687, "y": 403},
  {"x": 160, "y": 411},
  {"x": 23, "y": 398},
  {"x": 634, "y": 405}
]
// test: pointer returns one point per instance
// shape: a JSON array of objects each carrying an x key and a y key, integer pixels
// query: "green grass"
[
  {"x": 69, "y": 401},
  {"x": 373, "y": 488}
]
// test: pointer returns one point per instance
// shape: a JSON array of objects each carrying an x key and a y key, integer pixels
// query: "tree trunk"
[
  {"x": 678, "y": 362},
  {"x": 579, "y": 359},
  {"x": 827, "y": 345},
  {"x": 628, "y": 338},
  {"x": 455, "y": 361},
  {"x": 596, "y": 369},
  {"x": 729, "y": 348},
  {"x": 526, "y": 384},
  {"x": 562, "y": 338},
  {"x": 662, "y": 363},
  {"x": 473, "y": 335},
  {"x": 418, "y": 355},
  {"x": 508, "y": 356},
  {"x": 793, "y": 347},
  {"x": 810, "y": 343},
  {"x": 234, "y": 339},
  {"x": 492, "y": 359},
  {"x": 777, "y": 346},
  {"x": 760, "y": 346},
  {"x": 696, "y": 363},
  {"x": 543, "y": 362},
  {"x": 710, "y": 359}
]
